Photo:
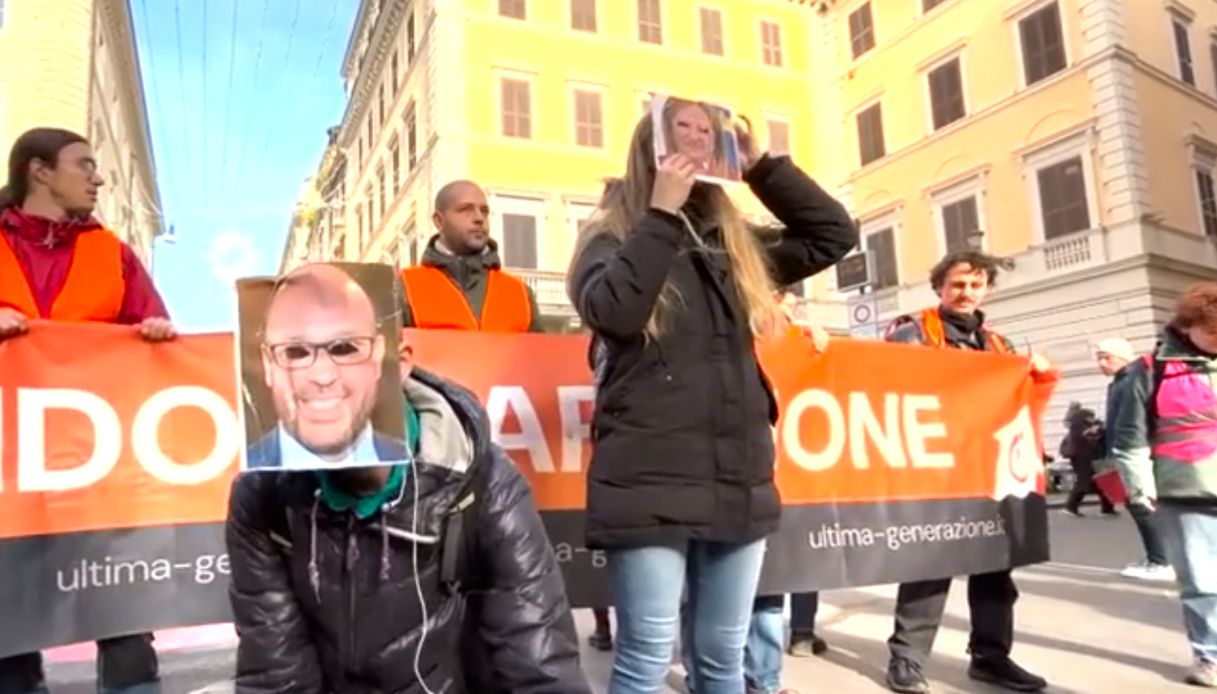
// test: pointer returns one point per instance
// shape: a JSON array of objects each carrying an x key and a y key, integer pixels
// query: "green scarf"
[{"x": 365, "y": 507}]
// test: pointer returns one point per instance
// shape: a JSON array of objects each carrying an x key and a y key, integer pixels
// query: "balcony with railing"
[
  {"x": 549, "y": 288},
  {"x": 1079, "y": 252}
]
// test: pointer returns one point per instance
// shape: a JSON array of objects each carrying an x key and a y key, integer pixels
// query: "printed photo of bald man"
[{"x": 318, "y": 368}]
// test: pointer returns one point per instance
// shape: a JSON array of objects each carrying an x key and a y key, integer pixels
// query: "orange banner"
[{"x": 101, "y": 430}]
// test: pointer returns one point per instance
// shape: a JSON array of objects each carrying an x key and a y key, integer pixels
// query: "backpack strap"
[
  {"x": 459, "y": 547},
  {"x": 1157, "y": 370}
]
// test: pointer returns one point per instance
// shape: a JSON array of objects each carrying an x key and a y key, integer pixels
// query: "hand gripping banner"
[{"x": 895, "y": 463}]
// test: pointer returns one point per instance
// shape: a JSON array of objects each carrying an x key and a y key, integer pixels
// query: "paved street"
[{"x": 1079, "y": 624}]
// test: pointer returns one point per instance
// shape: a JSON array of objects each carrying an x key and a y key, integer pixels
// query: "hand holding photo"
[
  {"x": 703, "y": 132},
  {"x": 317, "y": 368}
]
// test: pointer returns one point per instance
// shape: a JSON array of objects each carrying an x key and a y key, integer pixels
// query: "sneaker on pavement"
[
  {"x": 1144, "y": 571},
  {"x": 1071, "y": 512},
  {"x": 905, "y": 676},
  {"x": 806, "y": 646},
  {"x": 1203, "y": 674},
  {"x": 1005, "y": 673}
]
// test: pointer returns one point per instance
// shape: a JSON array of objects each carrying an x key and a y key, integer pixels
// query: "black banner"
[{"x": 68, "y": 588}]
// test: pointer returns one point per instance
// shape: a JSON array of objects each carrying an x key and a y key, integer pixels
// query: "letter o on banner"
[
  {"x": 814, "y": 461},
  {"x": 147, "y": 447}
]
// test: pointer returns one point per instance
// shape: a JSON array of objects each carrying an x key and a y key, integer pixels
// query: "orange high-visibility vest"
[
  {"x": 437, "y": 303},
  {"x": 92, "y": 291},
  {"x": 935, "y": 332}
]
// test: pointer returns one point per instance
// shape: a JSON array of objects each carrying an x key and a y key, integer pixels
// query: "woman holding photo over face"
[
  {"x": 676, "y": 286},
  {"x": 701, "y": 132}
]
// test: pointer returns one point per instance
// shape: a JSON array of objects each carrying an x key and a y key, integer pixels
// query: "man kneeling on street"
[{"x": 431, "y": 576}]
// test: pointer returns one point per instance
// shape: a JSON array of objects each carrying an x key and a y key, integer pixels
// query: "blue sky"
[{"x": 237, "y": 126}]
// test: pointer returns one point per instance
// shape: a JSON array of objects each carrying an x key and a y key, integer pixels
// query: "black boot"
[
  {"x": 1005, "y": 673},
  {"x": 602, "y": 638},
  {"x": 905, "y": 676},
  {"x": 804, "y": 646}
]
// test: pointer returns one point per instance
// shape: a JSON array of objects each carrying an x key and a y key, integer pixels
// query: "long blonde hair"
[{"x": 626, "y": 201}]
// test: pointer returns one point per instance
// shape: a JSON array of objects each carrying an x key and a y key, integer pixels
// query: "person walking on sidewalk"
[
  {"x": 1164, "y": 442},
  {"x": 1082, "y": 446},
  {"x": 1113, "y": 356},
  {"x": 460, "y": 284},
  {"x": 58, "y": 263},
  {"x": 677, "y": 285},
  {"x": 962, "y": 281}
]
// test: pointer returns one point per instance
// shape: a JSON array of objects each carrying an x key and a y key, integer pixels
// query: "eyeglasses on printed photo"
[{"x": 343, "y": 351}]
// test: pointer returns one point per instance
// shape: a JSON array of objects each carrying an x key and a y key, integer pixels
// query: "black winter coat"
[
  {"x": 682, "y": 444},
  {"x": 325, "y": 603}
]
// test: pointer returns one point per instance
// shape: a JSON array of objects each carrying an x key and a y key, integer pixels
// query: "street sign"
[
  {"x": 853, "y": 271},
  {"x": 863, "y": 312}
]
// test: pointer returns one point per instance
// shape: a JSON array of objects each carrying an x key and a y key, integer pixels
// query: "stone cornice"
[
  {"x": 355, "y": 40},
  {"x": 383, "y": 38},
  {"x": 118, "y": 22}
]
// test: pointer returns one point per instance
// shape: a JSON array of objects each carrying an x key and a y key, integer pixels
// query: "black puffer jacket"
[
  {"x": 682, "y": 441},
  {"x": 328, "y": 604}
]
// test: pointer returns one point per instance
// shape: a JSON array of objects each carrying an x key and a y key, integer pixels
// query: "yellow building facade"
[
  {"x": 79, "y": 69},
  {"x": 1076, "y": 137},
  {"x": 536, "y": 100}
]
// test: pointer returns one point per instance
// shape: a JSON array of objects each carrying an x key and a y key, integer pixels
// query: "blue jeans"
[
  {"x": 1147, "y": 528},
  {"x": 766, "y": 641},
  {"x": 1190, "y": 535},
  {"x": 766, "y": 635},
  {"x": 647, "y": 587}
]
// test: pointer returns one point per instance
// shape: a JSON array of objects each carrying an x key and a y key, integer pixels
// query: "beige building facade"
[
  {"x": 1077, "y": 137},
  {"x": 79, "y": 70}
]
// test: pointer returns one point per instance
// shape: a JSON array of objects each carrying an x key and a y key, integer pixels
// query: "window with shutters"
[
  {"x": 520, "y": 241},
  {"x": 771, "y": 43},
  {"x": 650, "y": 23},
  {"x": 583, "y": 15},
  {"x": 711, "y": 30},
  {"x": 779, "y": 136},
  {"x": 411, "y": 137},
  {"x": 372, "y": 221},
  {"x": 1205, "y": 165},
  {"x": 1042, "y": 40},
  {"x": 410, "y": 37},
  {"x": 589, "y": 120},
  {"x": 1181, "y": 30},
  {"x": 512, "y": 8},
  {"x": 959, "y": 224},
  {"x": 395, "y": 164},
  {"x": 945, "y": 84},
  {"x": 870, "y": 134},
  {"x": 380, "y": 183},
  {"x": 881, "y": 245},
  {"x": 861, "y": 30},
  {"x": 577, "y": 216},
  {"x": 516, "y": 105},
  {"x": 1064, "y": 205},
  {"x": 1213, "y": 59}
]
